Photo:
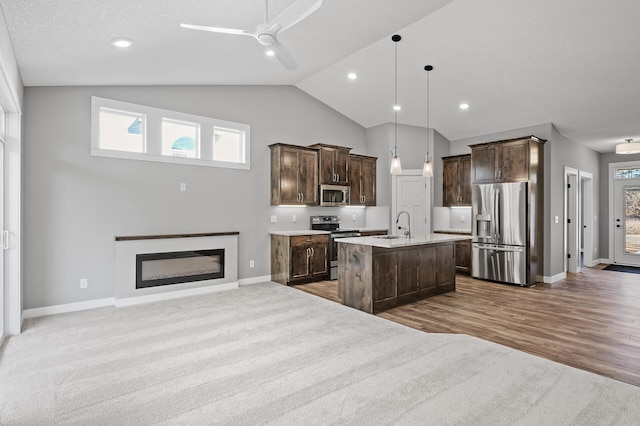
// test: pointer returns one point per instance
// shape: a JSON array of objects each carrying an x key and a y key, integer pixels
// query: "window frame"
[{"x": 153, "y": 135}]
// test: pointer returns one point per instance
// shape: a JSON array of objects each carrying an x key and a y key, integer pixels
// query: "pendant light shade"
[
  {"x": 629, "y": 147},
  {"x": 427, "y": 168},
  {"x": 396, "y": 167}
]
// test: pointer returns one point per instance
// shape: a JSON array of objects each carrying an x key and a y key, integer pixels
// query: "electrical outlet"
[
  {"x": 84, "y": 282},
  {"x": 461, "y": 218},
  {"x": 183, "y": 187},
  {"x": 294, "y": 218},
  {"x": 354, "y": 217},
  {"x": 555, "y": 219},
  {"x": 274, "y": 219},
  {"x": 252, "y": 264}
]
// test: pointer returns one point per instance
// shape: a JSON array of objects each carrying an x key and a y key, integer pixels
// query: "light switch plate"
[{"x": 274, "y": 219}]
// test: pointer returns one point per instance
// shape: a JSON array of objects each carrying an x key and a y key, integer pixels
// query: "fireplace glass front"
[{"x": 155, "y": 269}]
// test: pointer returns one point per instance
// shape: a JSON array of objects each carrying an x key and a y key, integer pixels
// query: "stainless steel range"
[{"x": 332, "y": 224}]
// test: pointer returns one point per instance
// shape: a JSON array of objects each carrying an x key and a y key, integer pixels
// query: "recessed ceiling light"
[
  {"x": 270, "y": 52},
  {"x": 397, "y": 107},
  {"x": 122, "y": 42},
  {"x": 352, "y": 76},
  {"x": 464, "y": 106}
]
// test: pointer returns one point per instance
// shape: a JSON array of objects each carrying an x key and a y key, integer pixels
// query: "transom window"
[
  {"x": 138, "y": 132},
  {"x": 626, "y": 173}
]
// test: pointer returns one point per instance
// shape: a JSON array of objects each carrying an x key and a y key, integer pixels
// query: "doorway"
[
  {"x": 579, "y": 219},
  {"x": 626, "y": 217},
  {"x": 411, "y": 193}
]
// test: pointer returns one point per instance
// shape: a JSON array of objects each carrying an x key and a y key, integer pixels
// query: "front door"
[{"x": 626, "y": 219}]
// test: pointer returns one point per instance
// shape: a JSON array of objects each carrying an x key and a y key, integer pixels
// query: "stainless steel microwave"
[{"x": 334, "y": 195}]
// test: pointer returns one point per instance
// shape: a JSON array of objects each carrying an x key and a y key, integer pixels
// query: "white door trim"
[
  {"x": 612, "y": 167},
  {"x": 586, "y": 179},
  {"x": 571, "y": 176}
]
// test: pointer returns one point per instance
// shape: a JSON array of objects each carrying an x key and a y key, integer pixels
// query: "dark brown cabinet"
[
  {"x": 300, "y": 258},
  {"x": 463, "y": 256},
  {"x": 405, "y": 275},
  {"x": 294, "y": 175},
  {"x": 362, "y": 179},
  {"x": 333, "y": 165},
  {"x": 506, "y": 161},
  {"x": 456, "y": 180}
]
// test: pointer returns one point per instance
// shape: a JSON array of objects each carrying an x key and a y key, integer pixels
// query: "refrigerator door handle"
[{"x": 496, "y": 214}]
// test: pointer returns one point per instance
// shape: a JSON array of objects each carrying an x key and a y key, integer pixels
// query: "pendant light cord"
[{"x": 395, "y": 100}]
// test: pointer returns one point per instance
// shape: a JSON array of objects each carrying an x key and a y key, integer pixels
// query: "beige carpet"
[{"x": 268, "y": 354}]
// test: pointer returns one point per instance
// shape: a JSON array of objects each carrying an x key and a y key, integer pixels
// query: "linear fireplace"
[{"x": 157, "y": 269}]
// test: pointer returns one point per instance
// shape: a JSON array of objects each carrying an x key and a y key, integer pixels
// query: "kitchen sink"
[{"x": 388, "y": 237}]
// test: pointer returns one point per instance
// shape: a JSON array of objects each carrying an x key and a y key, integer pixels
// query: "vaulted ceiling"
[{"x": 517, "y": 63}]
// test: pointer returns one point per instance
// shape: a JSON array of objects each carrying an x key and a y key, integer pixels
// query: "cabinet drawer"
[{"x": 305, "y": 240}]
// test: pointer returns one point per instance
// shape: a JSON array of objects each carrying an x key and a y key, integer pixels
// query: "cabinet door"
[
  {"x": 308, "y": 177},
  {"x": 465, "y": 181},
  {"x": 299, "y": 258},
  {"x": 341, "y": 166},
  {"x": 450, "y": 182},
  {"x": 289, "y": 176},
  {"x": 319, "y": 260},
  {"x": 514, "y": 161},
  {"x": 407, "y": 272},
  {"x": 483, "y": 163},
  {"x": 369, "y": 181},
  {"x": 326, "y": 169},
  {"x": 355, "y": 171},
  {"x": 427, "y": 268},
  {"x": 385, "y": 266},
  {"x": 463, "y": 255},
  {"x": 446, "y": 268}
]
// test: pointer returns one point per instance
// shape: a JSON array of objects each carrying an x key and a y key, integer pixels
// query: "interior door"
[
  {"x": 5, "y": 236},
  {"x": 411, "y": 195},
  {"x": 626, "y": 225}
]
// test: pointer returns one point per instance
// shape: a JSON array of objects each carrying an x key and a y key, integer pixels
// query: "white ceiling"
[{"x": 518, "y": 63}]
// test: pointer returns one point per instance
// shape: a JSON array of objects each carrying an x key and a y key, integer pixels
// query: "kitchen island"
[{"x": 381, "y": 272}]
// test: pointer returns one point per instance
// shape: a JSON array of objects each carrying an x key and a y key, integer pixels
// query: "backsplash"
[{"x": 445, "y": 218}]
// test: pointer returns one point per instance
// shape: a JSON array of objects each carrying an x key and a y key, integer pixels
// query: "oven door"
[{"x": 333, "y": 250}]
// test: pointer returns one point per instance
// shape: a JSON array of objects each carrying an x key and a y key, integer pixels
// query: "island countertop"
[{"x": 401, "y": 241}]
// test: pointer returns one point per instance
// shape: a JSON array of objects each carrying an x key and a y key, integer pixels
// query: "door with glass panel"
[{"x": 626, "y": 222}]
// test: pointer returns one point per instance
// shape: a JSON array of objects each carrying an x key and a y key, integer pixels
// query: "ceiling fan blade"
[
  {"x": 284, "y": 56},
  {"x": 216, "y": 29},
  {"x": 296, "y": 13}
]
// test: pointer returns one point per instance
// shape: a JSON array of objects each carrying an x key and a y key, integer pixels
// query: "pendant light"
[
  {"x": 396, "y": 168},
  {"x": 629, "y": 147},
  {"x": 427, "y": 168}
]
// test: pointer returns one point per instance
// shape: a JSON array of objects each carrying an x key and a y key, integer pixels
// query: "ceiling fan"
[{"x": 267, "y": 33}]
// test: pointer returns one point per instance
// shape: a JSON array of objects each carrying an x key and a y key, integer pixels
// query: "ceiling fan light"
[
  {"x": 629, "y": 147},
  {"x": 270, "y": 52}
]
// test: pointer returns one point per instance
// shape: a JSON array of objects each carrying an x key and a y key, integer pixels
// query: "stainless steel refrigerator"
[{"x": 500, "y": 232}]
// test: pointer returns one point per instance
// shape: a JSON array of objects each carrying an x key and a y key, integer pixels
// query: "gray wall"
[
  {"x": 559, "y": 152},
  {"x": 75, "y": 204}
]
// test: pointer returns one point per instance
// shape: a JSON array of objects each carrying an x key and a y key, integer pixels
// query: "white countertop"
[
  {"x": 417, "y": 240},
  {"x": 300, "y": 232},
  {"x": 454, "y": 230}
]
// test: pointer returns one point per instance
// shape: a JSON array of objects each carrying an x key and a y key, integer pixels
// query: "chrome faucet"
[{"x": 407, "y": 231}]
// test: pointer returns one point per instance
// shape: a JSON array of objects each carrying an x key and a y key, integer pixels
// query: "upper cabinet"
[
  {"x": 456, "y": 180},
  {"x": 505, "y": 161},
  {"x": 333, "y": 165},
  {"x": 294, "y": 175},
  {"x": 362, "y": 179}
]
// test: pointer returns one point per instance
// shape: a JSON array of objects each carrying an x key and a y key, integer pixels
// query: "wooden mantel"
[{"x": 166, "y": 236}]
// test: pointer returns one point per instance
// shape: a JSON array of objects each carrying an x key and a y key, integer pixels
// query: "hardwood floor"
[{"x": 590, "y": 320}]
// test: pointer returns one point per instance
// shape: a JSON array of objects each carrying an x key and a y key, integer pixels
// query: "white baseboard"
[
  {"x": 67, "y": 307},
  {"x": 596, "y": 261},
  {"x": 255, "y": 280},
  {"x": 175, "y": 294},
  {"x": 555, "y": 278}
]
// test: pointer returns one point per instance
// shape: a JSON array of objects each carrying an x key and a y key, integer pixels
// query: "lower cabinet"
[
  {"x": 463, "y": 256},
  {"x": 406, "y": 275},
  {"x": 299, "y": 259},
  {"x": 373, "y": 233}
]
